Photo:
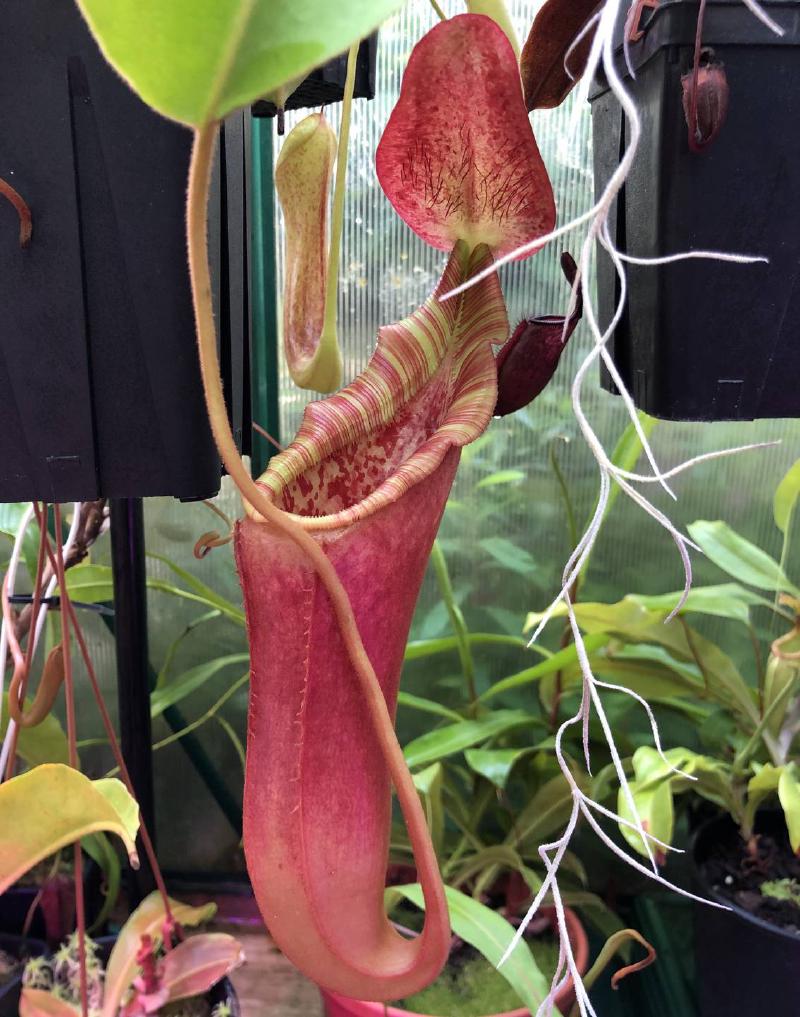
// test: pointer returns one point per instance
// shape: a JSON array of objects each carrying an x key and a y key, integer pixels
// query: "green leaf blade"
[{"x": 195, "y": 61}]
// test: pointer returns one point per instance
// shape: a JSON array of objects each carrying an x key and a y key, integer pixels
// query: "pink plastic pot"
[{"x": 342, "y": 1006}]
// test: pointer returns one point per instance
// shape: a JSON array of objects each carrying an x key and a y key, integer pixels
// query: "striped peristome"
[{"x": 430, "y": 385}]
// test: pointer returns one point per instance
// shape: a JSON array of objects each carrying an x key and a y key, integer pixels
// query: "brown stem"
[
  {"x": 112, "y": 739},
  {"x": 24, "y": 213},
  {"x": 72, "y": 743},
  {"x": 22, "y": 668},
  {"x": 93, "y": 518}
]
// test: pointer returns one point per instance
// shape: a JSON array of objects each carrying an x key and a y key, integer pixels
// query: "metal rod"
[{"x": 133, "y": 683}]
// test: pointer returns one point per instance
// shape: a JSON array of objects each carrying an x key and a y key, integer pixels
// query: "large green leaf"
[
  {"x": 495, "y": 764},
  {"x": 761, "y": 785},
  {"x": 428, "y": 783},
  {"x": 196, "y": 590},
  {"x": 198, "y": 60},
  {"x": 508, "y": 554},
  {"x": 11, "y": 515},
  {"x": 789, "y": 794},
  {"x": 557, "y": 662},
  {"x": 786, "y": 495},
  {"x": 53, "y": 805},
  {"x": 177, "y": 689},
  {"x": 545, "y": 813},
  {"x": 446, "y": 741},
  {"x": 91, "y": 584},
  {"x": 727, "y": 600},
  {"x": 634, "y": 623},
  {"x": 490, "y": 934},
  {"x": 418, "y": 648},
  {"x": 426, "y": 706},
  {"x": 739, "y": 557}
]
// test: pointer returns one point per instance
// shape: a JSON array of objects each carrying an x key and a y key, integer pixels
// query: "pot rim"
[
  {"x": 580, "y": 946},
  {"x": 729, "y": 905}
]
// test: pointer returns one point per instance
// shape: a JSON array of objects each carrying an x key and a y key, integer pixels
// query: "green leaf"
[
  {"x": 198, "y": 60},
  {"x": 11, "y": 515},
  {"x": 54, "y": 805},
  {"x": 177, "y": 689},
  {"x": 634, "y": 623},
  {"x": 426, "y": 706},
  {"x": 789, "y": 794},
  {"x": 203, "y": 594},
  {"x": 446, "y": 741},
  {"x": 490, "y": 934},
  {"x": 91, "y": 584},
  {"x": 100, "y": 850},
  {"x": 727, "y": 600},
  {"x": 655, "y": 809},
  {"x": 546, "y": 812},
  {"x": 45, "y": 743},
  {"x": 739, "y": 557},
  {"x": 500, "y": 477},
  {"x": 556, "y": 662},
  {"x": 780, "y": 674},
  {"x": 507, "y": 554},
  {"x": 495, "y": 764},
  {"x": 786, "y": 495},
  {"x": 428, "y": 783},
  {"x": 492, "y": 858},
  {"x": 760, "y": 786},
  {"x": 418, "y": 648}
]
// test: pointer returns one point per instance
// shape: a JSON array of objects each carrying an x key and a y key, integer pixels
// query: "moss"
[
  {"x": 782, "y": 889},
  {"x": 470, "y": 987}
]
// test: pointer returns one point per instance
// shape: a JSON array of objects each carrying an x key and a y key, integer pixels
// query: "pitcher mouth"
[{"x": 430, "y": 385}]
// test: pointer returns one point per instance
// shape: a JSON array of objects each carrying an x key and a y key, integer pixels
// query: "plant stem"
[
  {"x": 742, "y": 757},
  {"x": 572, "y": 525},
  {"x": 24, "y": 213},
  {"x": 441, "y": 14},
  {"x": 457, "y": 621},
  {"x": 759, "y": 661},
  {"x": 436, "y": 932},
  {"x": 69, "y": 695}
]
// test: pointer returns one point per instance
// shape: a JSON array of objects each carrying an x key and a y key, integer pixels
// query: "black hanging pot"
[
  {"x": 326, "y": 84},
  {"x": 746, "y": 964},
  {"x": 101, "y": 388},
  {"x": 705, "y": 340}
]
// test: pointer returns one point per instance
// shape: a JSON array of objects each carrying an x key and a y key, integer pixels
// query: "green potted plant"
[
  {"x": 742, "y": 757},
  {"x": 151, "y": 964}
]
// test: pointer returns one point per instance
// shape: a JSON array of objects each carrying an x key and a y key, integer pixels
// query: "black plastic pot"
[
  {"x": 98, "y": 368},
  {"x": 22, "y": 949},
  {"x": 703, "y": 340},
  {"x": 17, "y": 901},
  {"x": 326, "y": 84},
  {"x": 744, "y": 965}
]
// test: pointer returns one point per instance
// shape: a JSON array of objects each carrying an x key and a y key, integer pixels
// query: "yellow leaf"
[{"x": 53, "y": 805}]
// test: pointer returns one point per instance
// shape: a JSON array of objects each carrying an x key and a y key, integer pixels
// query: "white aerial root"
[
  {"x": 36, "y": 633},
  {"x": 602, "y": 54}
]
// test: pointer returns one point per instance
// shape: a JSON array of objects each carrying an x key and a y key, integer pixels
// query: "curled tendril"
[
  {"x": 213, "y": 538},
  {"x": 22, "y": 210}
]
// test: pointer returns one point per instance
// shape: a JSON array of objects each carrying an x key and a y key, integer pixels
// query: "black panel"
[
  {"x": 101, "y": 389},
  {"x": 704, "y": 340}
]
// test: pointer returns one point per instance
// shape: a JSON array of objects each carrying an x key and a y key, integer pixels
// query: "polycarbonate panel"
[{"x": 506, "y": 537}]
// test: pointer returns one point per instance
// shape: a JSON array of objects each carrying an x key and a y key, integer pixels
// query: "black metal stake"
[{"x": 133, "y": 684}]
